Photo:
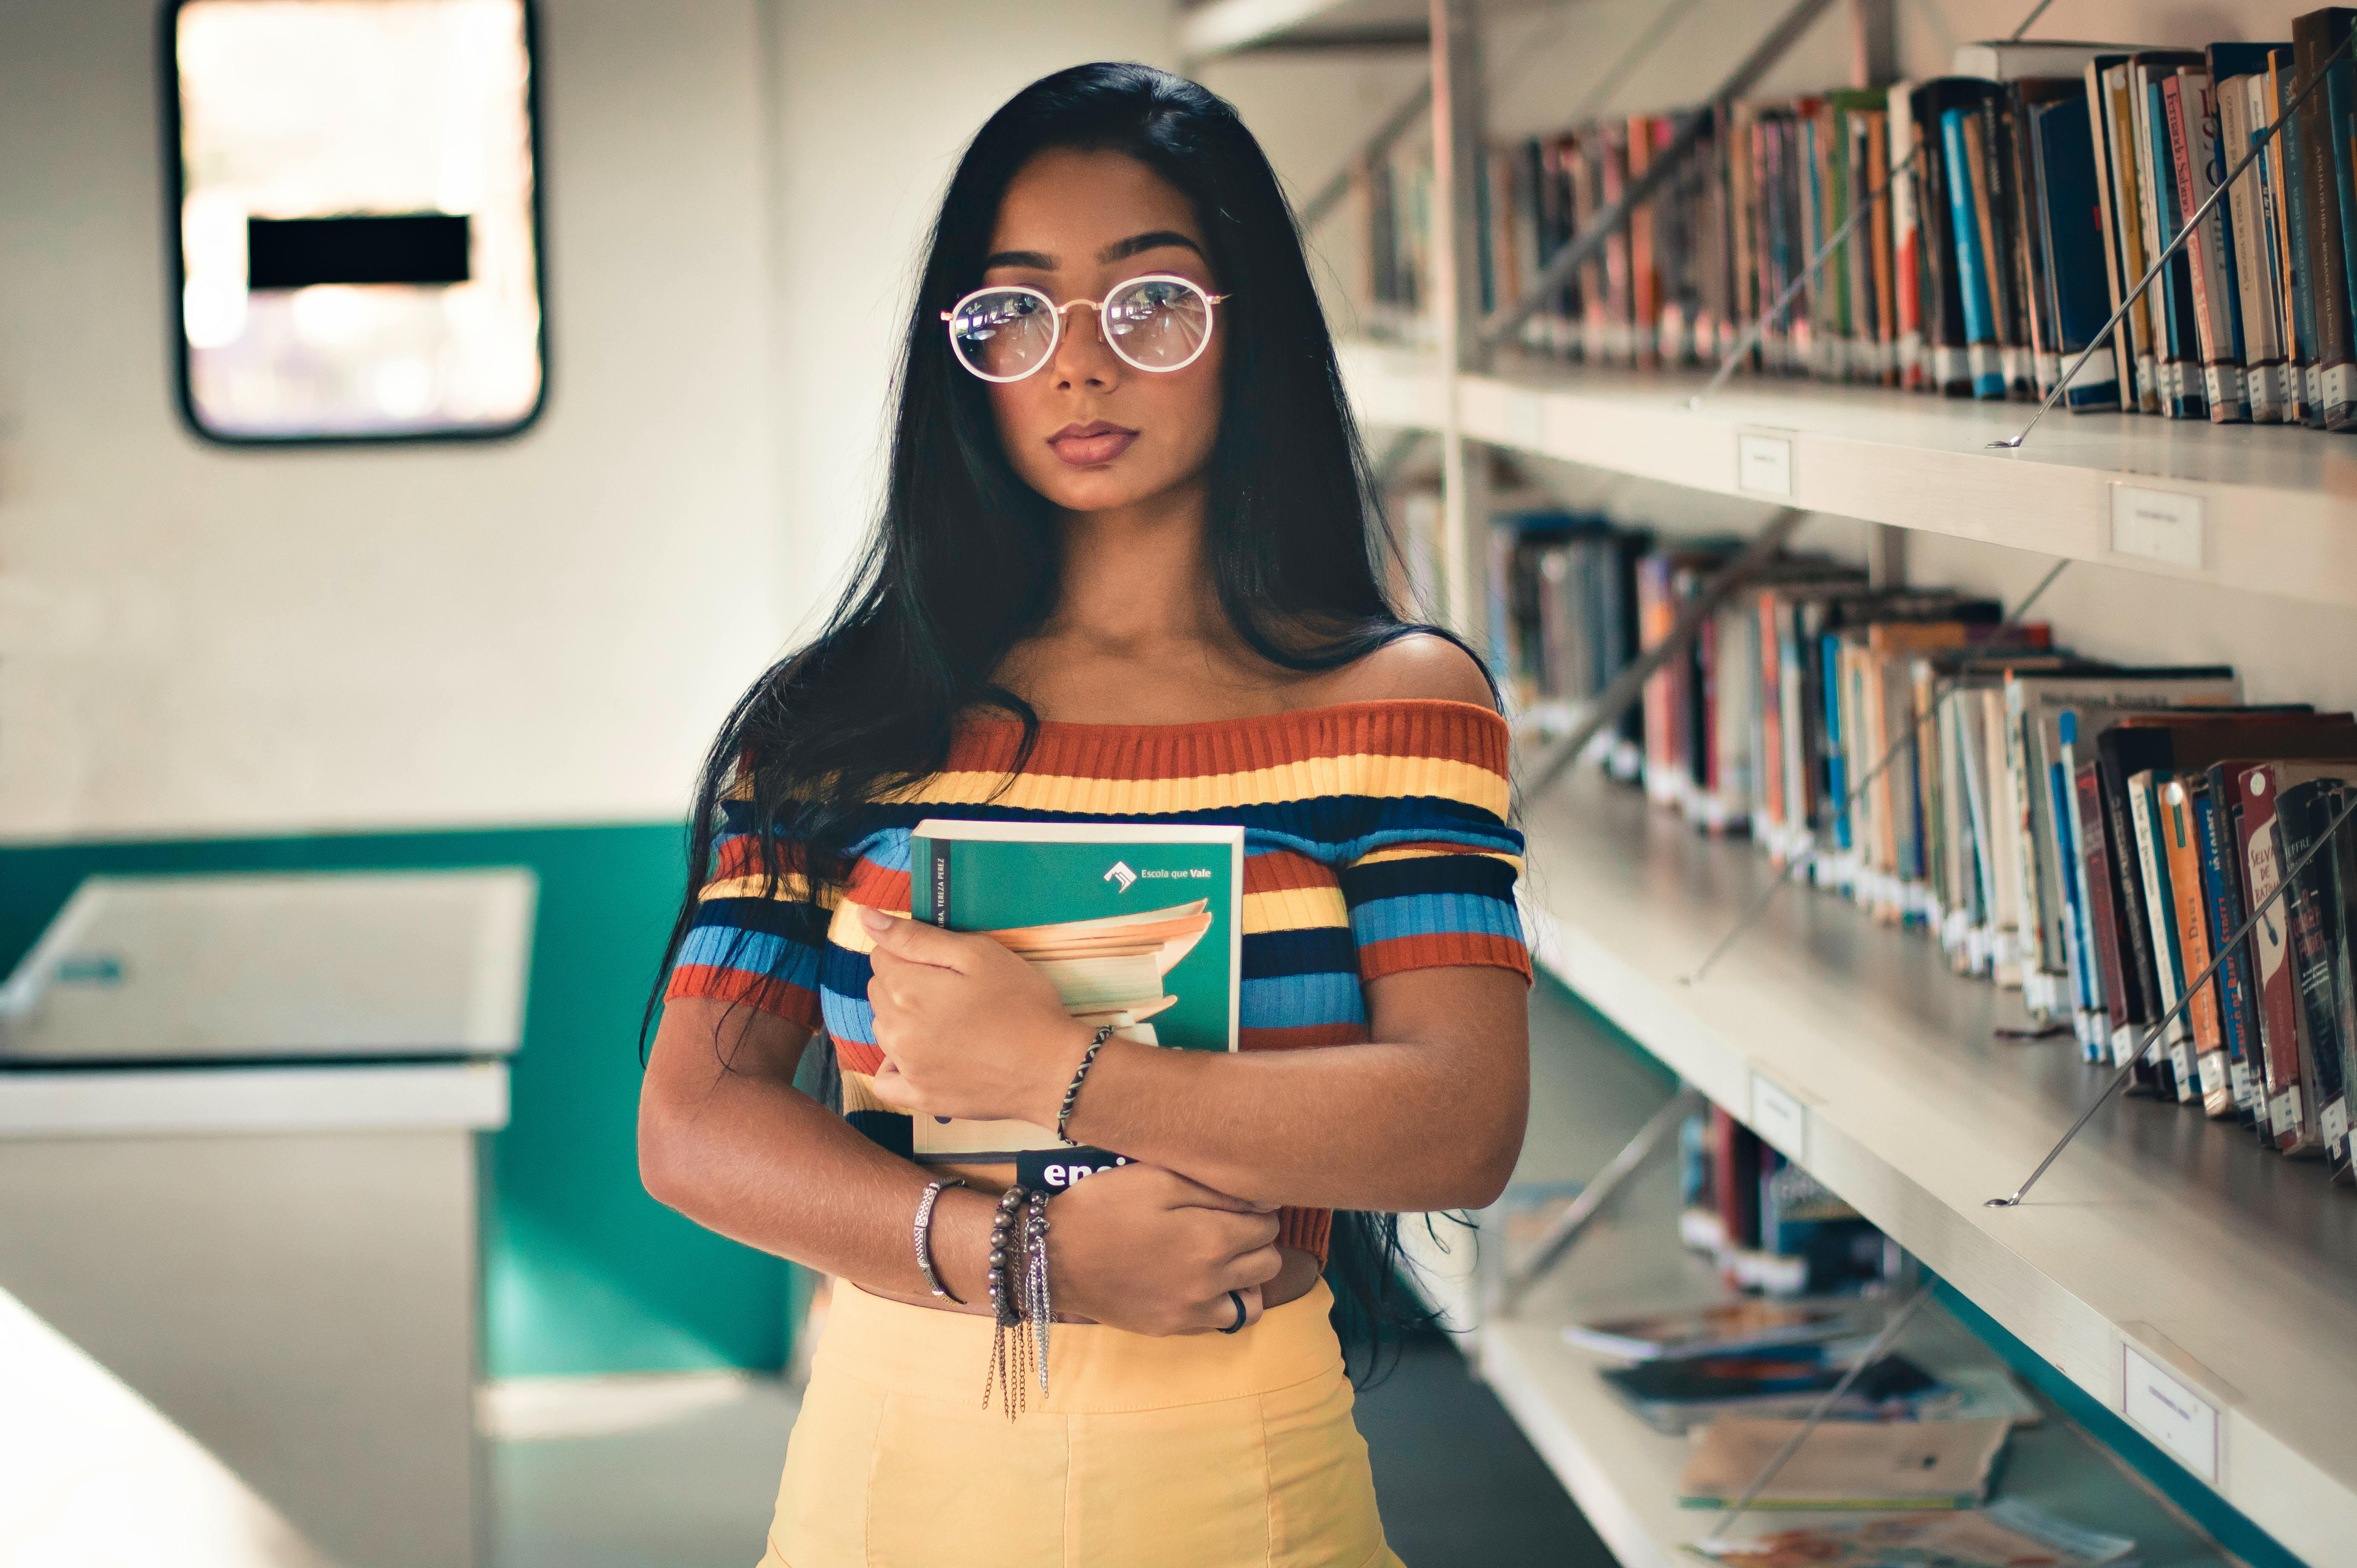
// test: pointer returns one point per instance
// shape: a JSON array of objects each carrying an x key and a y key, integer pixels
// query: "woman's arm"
[
  {"x": 725, "y": 1139},
  {"x": 1430, "y": 1116}
]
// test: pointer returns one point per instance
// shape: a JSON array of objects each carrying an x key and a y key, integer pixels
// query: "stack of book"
[
  {"x": 2090, "y": 832},
  {"x": 2010, "y": 209}
]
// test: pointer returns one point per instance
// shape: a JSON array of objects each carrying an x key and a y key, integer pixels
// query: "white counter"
[{"x": 371, "y": 1097}]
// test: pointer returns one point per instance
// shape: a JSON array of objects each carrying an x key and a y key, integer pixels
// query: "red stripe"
[
  {"x": 858, "y": 1056},
  {"x": 1457, "y": 732},
  {"x": 1311, "y": 1230},
  {"x": 712, "y": 982},
  {"x": 1301, "y": 1036},
  {"x": 1442, "y": 949},
  {"x": 876, "y": 887},
  {"x": 1280, "y": 869}
]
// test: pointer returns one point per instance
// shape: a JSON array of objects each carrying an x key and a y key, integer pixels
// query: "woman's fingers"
[
  {"x": 1220, "y": 1312},
  {"x": 1187, "y": 1192},
  {"x": 1253, "y": 1269}
]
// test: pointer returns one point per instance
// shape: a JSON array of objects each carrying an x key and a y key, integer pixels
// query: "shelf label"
[
  {"x": 2158, "y": 525},
  {"x": 1526, "y": 422},
  {"x": 1779, "y": 1118},
  {"x": 1764, "y": 463},
  {"x": 2180, "y": 1420}
]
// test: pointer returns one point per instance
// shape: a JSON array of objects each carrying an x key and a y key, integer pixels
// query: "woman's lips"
[{"x": 1087, "y": 445}]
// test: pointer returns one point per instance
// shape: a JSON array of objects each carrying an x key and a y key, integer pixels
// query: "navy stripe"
[
  {"x": 1314, "y": 950},
  {"x": 890, "y": 1128},
  {"x": 1429, "y": 874}
]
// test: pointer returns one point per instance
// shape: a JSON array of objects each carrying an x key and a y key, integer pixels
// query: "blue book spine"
[
  {"x": 1972, "y": 272},
  {"x": 1836, "y": 776},
  {"x": 2233, "y": 979},
  {"x": 2340, "y": 116},
  {"x": 2078, "y": 291}
]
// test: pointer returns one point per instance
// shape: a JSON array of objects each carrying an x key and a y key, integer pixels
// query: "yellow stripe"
[
  {"x": 1295, "y": 909},
  {"x": 846, "y": 930},
  {"x": 1373, "y": 775},
  {"x": 1377, "y": 856},
  {"x": 859, "y": 1094}
]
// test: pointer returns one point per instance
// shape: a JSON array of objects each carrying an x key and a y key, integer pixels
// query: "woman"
[{"x": 1126, "y": 570}]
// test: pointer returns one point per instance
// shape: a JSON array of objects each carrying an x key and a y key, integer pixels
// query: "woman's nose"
[{"x": 1082, "y": 356}]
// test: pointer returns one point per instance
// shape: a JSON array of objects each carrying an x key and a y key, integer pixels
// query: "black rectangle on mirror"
[{"x": 418, "y": 248}]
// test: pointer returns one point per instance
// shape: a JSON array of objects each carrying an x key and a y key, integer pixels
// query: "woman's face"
[{"x": 1088, "y": 430}]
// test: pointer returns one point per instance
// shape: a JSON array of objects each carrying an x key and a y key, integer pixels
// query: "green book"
[{"x": 1139, "y": 925}]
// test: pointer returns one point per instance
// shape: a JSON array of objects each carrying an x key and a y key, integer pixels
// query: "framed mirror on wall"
[{"x": 356, "y": 184}]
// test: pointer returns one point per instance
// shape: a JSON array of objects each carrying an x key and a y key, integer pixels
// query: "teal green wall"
[{"x": 584, "y": 1272}]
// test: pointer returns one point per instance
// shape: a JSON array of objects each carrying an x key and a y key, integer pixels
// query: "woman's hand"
[
  {"x": 967, "y": 1029},
  {"x": 1147, "y": 1249}
]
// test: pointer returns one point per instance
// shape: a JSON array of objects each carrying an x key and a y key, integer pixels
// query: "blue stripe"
[
  {"x": 1434, "y": 914},
  {"x": 1289, "y": 1001}
]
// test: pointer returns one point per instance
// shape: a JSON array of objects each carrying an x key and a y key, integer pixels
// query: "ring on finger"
[{"x": 1238, "y": 1297}]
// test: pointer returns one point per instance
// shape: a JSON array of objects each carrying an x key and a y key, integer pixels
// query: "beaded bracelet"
[
  {"x": 1019, "y": 1295},
  {"x": 1073, "y": 1089},
  {"x": 925, "y": 1237}
]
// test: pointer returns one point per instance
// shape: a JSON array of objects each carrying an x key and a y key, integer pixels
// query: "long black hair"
[{"x": 965, "y": 561}]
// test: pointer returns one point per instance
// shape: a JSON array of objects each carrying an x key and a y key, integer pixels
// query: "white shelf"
[
  {"x": 2278, "y": 506},
  {"x": 2230, "y": 1267}
]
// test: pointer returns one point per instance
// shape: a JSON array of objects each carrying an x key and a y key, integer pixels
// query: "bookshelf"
[
  {"x": 1852, "y": 1047},
  {"x": 2277, "y": 506},
  {"x": 2165, "y": 1255},
  {"x": 1623, "y": 1474}
]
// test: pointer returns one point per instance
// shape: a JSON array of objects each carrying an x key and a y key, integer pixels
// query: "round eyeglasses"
[{"x": 1159, "y": 322}]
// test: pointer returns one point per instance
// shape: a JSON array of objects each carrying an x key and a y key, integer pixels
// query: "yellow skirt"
[{"x": 1198, "y": 1451}]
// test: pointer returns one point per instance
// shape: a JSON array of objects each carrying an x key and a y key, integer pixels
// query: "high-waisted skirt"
[{"x": 1197, "y": 1451}]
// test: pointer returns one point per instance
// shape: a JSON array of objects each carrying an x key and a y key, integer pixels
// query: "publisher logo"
[{"x": 1122, "y": 875}]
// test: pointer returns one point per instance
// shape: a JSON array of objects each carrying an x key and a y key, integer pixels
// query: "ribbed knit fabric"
[{"x": 1375, "y": 841}]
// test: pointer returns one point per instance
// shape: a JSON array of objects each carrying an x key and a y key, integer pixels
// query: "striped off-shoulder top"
[{"x": 1375, "y": 841}]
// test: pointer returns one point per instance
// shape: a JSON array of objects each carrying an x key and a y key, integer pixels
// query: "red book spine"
[{"x": 2293, "y": 1120}]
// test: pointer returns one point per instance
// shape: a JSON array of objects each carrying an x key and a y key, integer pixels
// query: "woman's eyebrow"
[
  {"x": 1151, "y": 241},
  {"x": 1038, "y": 261}
]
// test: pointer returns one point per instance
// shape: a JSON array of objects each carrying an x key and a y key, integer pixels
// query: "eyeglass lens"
[{"x": 1152, "y": 322}]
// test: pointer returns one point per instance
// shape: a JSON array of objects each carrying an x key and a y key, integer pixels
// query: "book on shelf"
[
  {"x": 2008, "y": 1533},
  {"x": 1676, "y": 1395},
  {"x": 1888, "y": 1464},
  {"x": 1749, "y": 1323},
  {"x": 2092, "y": 834},
  {"x": 2005, "y": 211},
  {"x": 1136, "y": 925}
]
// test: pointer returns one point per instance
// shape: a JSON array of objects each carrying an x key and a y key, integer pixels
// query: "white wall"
[
  {"x": 874, "y": 105},
  {"x": 197, "y": 641}
]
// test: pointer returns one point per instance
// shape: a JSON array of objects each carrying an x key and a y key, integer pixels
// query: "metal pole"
[
  {"x": 1457, "y": 254},
  {"x": 1584, "y": 245},
  {"x": 2174, "y": 1008},
  {"x": 2175, "y": 244},
  {"x": 1572, "y": 1222},
  {"x": 1606, "y": 706}
]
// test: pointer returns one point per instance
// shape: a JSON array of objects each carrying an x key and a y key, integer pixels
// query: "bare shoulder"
[{"x": 1419, "y": 665}]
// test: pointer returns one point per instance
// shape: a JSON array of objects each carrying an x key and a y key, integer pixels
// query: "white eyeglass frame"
[{"x": 1211, "y": 303}]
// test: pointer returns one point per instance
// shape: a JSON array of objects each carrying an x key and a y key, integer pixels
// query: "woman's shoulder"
[{"x": 1420, "y": 666}]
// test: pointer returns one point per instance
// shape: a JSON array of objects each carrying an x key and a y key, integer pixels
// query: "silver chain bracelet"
[{"x": 925, "y": 1235}]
